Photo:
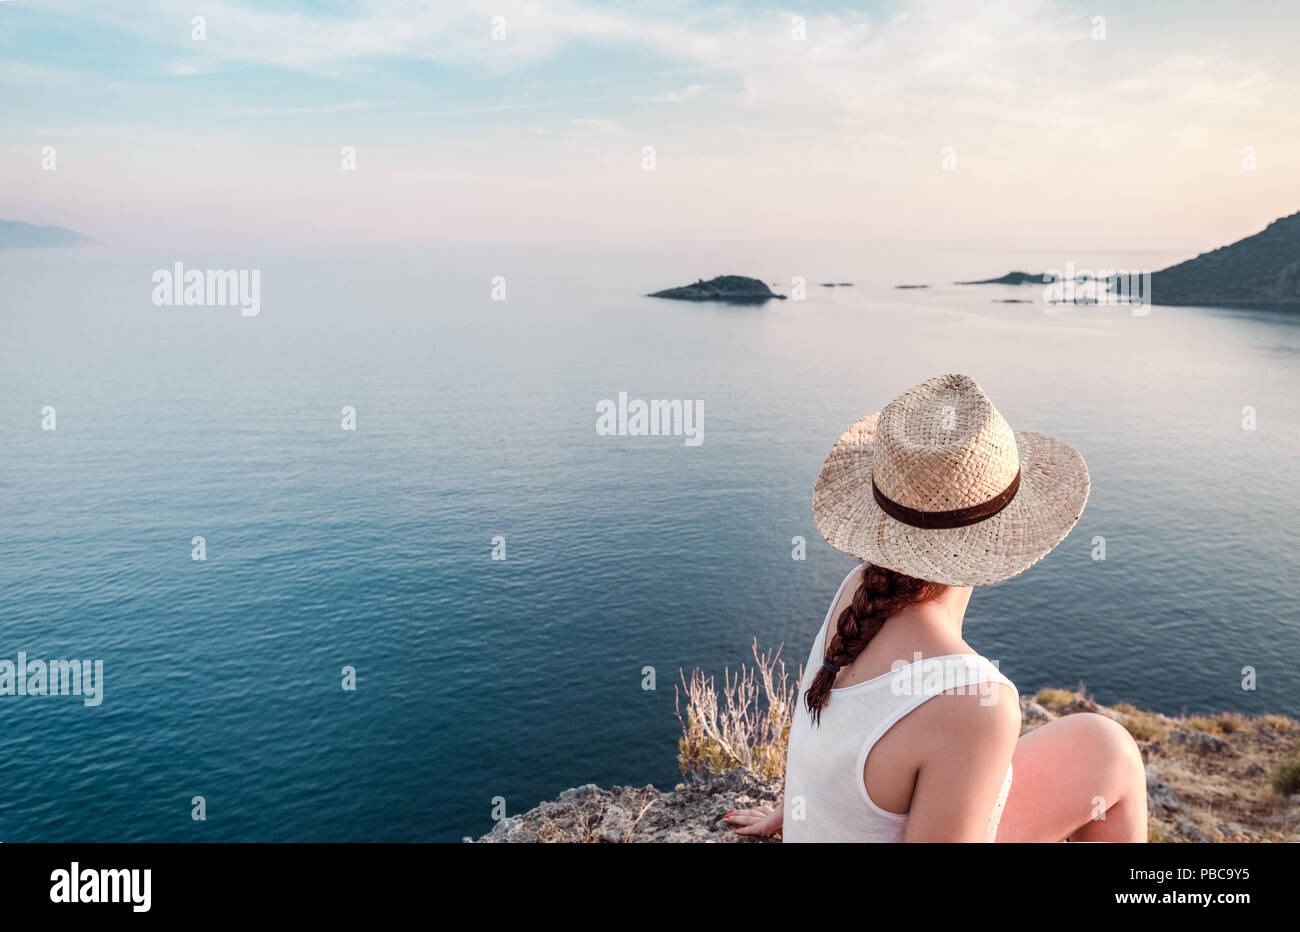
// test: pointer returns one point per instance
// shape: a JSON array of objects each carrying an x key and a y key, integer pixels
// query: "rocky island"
[
  {"x": 1222, "y": 778},
  {"x": 1012, "y": 278},
  {"x": 731, "y": 289}
]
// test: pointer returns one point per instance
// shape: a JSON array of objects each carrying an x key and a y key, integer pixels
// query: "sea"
[{"x": 432, "y": 590}]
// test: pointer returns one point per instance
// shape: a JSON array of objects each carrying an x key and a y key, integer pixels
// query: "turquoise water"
[{"x": 476, "y": 419}]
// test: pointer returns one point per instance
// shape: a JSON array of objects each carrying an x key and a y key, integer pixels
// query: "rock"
[
  {"x": 1199, "y": 741},
  {"x": 504, "y": 829},
  {"x": 731, "y": 289},
  {"x": 616, "y": 824},
  {"x": 1188, "y": 830},
  {"x": 1287, "y": 818},
  {"x": 692, "y": 813},
  {"x": 1161, "y": 800},
  {"x": 1080, "y": 704},
  {"x": 1031, "y": 711}
]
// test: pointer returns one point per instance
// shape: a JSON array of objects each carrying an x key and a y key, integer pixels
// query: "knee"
[{"x": 1113, "y": 746}]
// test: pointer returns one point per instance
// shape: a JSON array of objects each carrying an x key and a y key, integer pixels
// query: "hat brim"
[{"x": 1053, "y": 490}]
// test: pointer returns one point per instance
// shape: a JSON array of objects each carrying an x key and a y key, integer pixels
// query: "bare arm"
[{"x": 963, "y": 766}]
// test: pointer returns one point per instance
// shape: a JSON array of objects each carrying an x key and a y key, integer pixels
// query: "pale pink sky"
[{"x": 757, "y": 134}]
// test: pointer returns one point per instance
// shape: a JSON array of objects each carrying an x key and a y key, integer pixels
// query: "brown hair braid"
[{"x": 881, "y": 594}]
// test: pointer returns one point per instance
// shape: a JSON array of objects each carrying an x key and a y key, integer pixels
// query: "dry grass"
[
  {"x": 1231, "y": 723},
  {"x": 1054, "y": 698},
  {"x": 1143, "y": 726},
  {"x": 550, "y": 831},
  {"x": 747, "y": 724},
  {"x": 1277, "y": 723},
  {"x": 648, "y": 798}
]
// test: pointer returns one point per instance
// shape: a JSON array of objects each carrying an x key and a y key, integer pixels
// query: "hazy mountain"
[
  {"x": 14, "y": 234},
  {"x": 1259, "y": 271}
]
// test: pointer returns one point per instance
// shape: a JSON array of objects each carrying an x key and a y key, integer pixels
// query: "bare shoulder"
[{"x": 979, "y": 714}]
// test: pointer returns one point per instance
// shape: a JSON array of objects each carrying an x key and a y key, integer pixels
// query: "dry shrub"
[
  {"x": 1286, "y": 778},
  {"x": 747, "y": 724}
]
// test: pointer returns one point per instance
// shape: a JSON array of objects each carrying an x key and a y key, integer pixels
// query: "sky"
[{"x": 915, "y": 119}]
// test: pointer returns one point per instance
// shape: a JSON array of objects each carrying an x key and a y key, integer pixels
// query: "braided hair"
[{"x": 881, "y": 594}]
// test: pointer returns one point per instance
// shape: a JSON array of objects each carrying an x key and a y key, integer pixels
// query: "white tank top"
[{"x": 825, "y": 797}]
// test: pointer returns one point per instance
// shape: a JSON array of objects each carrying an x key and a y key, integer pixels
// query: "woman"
[{"x": 902, "y": 731}]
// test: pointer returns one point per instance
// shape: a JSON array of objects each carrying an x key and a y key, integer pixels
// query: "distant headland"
[
  {"x": 1260, "y": 271},
  {"x": 14, "y": 234},
  {"x": 731, "y": 289}
]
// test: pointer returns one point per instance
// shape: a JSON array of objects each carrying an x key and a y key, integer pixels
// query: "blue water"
[{"x": 519, "y": 678}]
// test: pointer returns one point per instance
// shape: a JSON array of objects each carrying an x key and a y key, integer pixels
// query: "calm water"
[{"x": 481, "y": 678}]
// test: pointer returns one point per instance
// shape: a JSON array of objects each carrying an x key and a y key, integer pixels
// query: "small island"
[
  {"x": 730, "y": 289},
  {"x": 1013, "y": 278}
]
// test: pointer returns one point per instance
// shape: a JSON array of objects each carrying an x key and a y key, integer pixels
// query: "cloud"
[
  {"x": 329, "y": 108},
  {"x": 594, "y": 125},
  {"x": 676, "y": 97},
  {"x": 837, "y": 133},
  {"x": 373, "y": 30}
]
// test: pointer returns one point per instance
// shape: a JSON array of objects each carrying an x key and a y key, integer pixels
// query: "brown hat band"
[{"x": 941, "y": 520}]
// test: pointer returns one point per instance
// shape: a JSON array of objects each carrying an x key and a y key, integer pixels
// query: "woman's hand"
[{"x": 761, "y": 820}]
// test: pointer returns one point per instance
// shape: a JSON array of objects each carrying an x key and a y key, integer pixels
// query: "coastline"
[{"x": 1209, "y": 779}]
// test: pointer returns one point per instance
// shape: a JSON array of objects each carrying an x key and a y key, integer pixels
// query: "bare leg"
[{"x": 1079, "y": 777}]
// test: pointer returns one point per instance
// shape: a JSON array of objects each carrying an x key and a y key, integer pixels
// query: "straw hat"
[{"x": 939, "y": 487}]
